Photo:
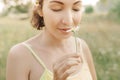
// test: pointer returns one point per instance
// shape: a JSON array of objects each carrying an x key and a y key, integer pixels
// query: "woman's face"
[{"x": 60, "y": 16}]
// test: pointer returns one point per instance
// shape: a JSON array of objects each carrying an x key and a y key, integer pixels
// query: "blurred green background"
[{"x": 100, "y": 28}]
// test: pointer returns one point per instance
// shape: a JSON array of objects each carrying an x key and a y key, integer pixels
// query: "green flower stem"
[{"x": 75, "y": 40}]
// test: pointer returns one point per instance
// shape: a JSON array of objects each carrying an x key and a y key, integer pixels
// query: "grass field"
[{"x": 102, "y": 36}]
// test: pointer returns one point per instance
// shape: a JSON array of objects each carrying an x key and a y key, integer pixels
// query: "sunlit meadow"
[{"x": 101, "y": 34}]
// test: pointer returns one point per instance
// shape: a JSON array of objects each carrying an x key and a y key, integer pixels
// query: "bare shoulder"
[
  {"x": 18, "y": 51},
  {"x": 18, "y": 54},
  {"x": 18, "y": 63}
]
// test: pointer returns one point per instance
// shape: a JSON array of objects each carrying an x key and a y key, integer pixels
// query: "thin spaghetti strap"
[
  {"x": 79, "y": 45},
  {"x": 81, "y": 51},
  {"x": 34, "y": 54}
]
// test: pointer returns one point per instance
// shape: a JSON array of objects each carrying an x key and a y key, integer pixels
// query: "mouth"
[{"x": 66, "y": 29}]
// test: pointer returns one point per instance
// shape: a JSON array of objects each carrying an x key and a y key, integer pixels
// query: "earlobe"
[
  {"x": 39, "y": 10},
  {"x": 40, "y": 13}
]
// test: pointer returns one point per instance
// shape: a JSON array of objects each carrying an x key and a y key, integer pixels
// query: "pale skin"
[{"x": 51, "y": 45}]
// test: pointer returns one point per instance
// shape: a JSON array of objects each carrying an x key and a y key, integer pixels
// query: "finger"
[
  {"x": 67, "y": 74},
  {"x": 71, "y": 72},
  {"x": 66, "y": 64},
  {"x": 79, "y": 59},
  {"x": 62, "y": 67},
  {"x": 75, "y": 69},
  {"x": 66, "y": 57}
]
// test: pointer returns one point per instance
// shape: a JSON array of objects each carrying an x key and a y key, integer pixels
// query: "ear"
[{"x": 39, "y": 10}]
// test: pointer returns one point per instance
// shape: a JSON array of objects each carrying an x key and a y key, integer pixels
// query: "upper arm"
[
  {"x": 89, "y": 59},
  {"x": 17, "y": 64}
]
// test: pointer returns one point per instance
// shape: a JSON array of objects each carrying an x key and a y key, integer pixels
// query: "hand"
[{"x": 67, "y": 66}]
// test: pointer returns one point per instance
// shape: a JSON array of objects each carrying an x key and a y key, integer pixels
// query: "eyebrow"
[
  {"x": 77, "y": 2},
  {"x": 63, "y": 3},
  {"x": 56, "y": 2}
]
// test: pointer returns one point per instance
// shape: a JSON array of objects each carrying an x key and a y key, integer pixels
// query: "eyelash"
[
  {"x": 57, "y": 10},
  {"x": 76, "y": 10}
]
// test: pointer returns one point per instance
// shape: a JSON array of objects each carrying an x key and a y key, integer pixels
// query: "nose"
[{"x": 68, "y": 18}]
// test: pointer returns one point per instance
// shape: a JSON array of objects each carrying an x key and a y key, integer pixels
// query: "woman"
[{"x": 52, "y": 54}]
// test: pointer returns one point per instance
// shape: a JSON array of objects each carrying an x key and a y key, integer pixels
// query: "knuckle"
[
  {"x": 67, "y": 64},
  {"x": 67, "y": 73},
  {"x": 54, "y": 68}
]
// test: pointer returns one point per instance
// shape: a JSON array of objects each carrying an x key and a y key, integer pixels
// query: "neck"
[{"x": 48, "y": 40}]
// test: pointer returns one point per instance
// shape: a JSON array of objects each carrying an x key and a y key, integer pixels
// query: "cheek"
[
  {"x": 78, "y": 18},
  {"x": 50, "y": 18}
]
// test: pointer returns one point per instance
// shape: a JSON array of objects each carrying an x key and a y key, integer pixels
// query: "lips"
[{"x": 65, "y": 29}]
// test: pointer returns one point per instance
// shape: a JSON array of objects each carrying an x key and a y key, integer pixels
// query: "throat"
[
  {"x": 50, "y": 40},
  {"x": 56, "y": 46}
]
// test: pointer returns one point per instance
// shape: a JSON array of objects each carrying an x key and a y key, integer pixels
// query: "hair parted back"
[{"x": 37, "y": 21}]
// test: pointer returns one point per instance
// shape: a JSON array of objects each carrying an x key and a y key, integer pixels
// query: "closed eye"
[
  {"x": 76, "y": 10},
  {"x": 56, "y": 10}
]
